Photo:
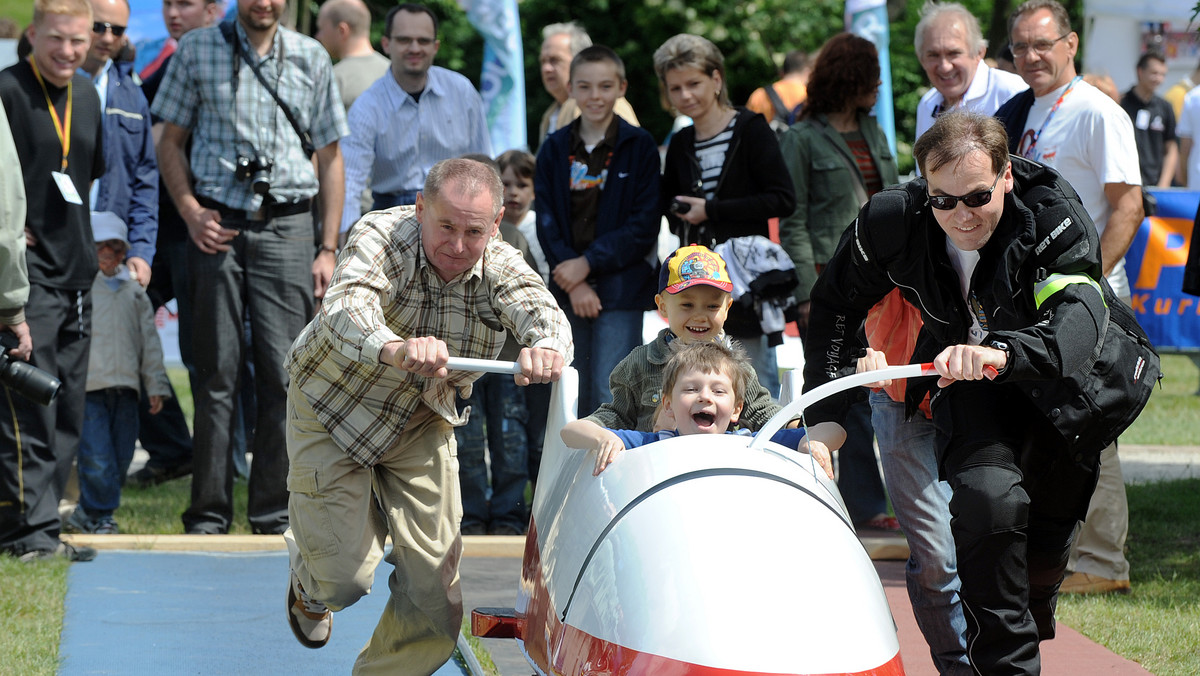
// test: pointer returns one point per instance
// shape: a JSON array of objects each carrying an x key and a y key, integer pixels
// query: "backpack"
[{"x": 784, "y": 118}]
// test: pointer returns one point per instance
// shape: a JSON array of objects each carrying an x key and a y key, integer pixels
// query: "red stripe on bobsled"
[{"x": 582, "y": 653}]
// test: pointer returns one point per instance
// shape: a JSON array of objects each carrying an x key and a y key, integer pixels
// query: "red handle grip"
[{"x": 989, "y": 371}]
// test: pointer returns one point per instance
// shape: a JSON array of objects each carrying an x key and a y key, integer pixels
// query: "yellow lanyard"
[{"x": 61, "y": 127}]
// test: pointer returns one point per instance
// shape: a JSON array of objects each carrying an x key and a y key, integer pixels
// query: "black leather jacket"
[{"x": 1038, "y": 280}]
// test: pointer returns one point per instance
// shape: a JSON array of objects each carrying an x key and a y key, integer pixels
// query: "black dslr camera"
[
  {"x": 28, "y": 380},
  {"x": 257, "y": 170}
]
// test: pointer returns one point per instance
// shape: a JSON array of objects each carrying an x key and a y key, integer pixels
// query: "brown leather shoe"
[
  {"x": 1082, "y": 583},
  {"x": 310, "y": 620}
]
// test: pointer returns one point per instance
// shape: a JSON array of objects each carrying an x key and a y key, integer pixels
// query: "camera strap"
[{"x": 228, "y": 32}]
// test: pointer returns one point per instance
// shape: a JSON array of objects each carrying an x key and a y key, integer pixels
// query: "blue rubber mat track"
[{"x": 201, "y": 613}]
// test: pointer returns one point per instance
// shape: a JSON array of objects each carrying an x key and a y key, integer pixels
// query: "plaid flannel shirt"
[
  {"x": 197, "y": 94},
  {"x": 383, "y": 290},
  {"x": 637, "y": 382}
]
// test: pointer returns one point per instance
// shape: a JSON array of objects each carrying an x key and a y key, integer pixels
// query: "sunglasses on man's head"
[
  {"x": 100, "y": 27},
  {"x": 974, "y": 200}
]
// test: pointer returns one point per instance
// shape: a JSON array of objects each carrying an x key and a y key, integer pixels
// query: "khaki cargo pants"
[{"x": 340, "y": 514}]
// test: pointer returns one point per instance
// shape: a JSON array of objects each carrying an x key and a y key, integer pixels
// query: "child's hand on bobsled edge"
[{"x": 607, "y": 451}]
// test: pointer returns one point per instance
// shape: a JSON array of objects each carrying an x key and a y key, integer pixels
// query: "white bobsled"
[{"x": 696, "y": 555}]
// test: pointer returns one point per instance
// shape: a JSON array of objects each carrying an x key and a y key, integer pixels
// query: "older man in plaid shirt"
[
  {"x": 371, "y": 410},
  {"x": 251, "y": 252}
]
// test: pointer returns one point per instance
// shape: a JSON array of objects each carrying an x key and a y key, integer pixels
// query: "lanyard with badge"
[
  {"x": 1028, "y": 153},
  {"x": 62, "y": 127}
]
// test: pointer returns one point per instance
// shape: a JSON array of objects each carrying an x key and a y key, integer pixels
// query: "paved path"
[{"x": 171, "y": 612}]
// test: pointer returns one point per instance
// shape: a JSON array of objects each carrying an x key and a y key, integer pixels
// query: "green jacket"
[{"x": 826, "y": 180}]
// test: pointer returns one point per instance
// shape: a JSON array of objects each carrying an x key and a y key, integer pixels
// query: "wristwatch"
[{"x": 1003, "y": 347}]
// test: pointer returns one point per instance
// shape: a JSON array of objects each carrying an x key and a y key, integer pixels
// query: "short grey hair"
[
  {"x": 472, "y": 177},
  {"x": 579, "y": 38},
  {"x": 932, "y": 11},
  {"x": 1061, "y": 19}
]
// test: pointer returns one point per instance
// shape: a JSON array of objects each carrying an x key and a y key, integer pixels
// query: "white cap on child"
[{"x": 106, "y": 225}]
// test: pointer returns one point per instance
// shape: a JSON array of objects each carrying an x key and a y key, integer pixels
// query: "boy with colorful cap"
[{"x": 694, "y": 297}]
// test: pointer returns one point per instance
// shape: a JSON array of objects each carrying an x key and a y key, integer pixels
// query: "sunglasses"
[
  {"x": 101, "y": 27},
  {"x": 974, "y": 200}
]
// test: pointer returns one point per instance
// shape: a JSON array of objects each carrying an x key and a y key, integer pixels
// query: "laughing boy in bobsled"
[
  {"x": 704, "y": 386},
  {"x": 694, "y": 296}
]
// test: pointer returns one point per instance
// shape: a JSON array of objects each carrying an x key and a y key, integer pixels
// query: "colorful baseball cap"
[{"x": 691, "y": 265}]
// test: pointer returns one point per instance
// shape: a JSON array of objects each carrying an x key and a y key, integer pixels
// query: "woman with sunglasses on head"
[
  {"x": 838, "y": 157},
  {"x": 723, "y": 176}
]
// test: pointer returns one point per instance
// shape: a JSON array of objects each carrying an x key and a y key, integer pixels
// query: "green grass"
[
  {"x": 31, "y": 615},
  {"x": 1158, "y": 624},
  {"x": 1172, "y": 417}
]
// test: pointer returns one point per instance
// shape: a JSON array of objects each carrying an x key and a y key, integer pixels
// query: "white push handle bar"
[
  {"x": 816, "y": 394},
  {"x": 483, "y": 365}
]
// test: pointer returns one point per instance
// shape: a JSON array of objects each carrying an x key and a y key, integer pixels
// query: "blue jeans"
[
  {"x": 601, "y": 344},
  {"x": 762, "y": 358},
  {"x": 858, "y": 472},
  {"x": 498, "y": 404},
  {"x": 267, "y": 278},
  {"x": 922, "y": 503},
  {"x": 106, "y": 448}
]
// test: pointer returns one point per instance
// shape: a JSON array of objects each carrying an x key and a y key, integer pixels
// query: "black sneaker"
[
  {"x": 78, "y": 522},
  {"x": 71, "y": 553},
  {"x": 151, "y": 475}
]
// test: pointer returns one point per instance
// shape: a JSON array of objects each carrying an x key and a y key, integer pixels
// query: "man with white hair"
[
  {"x": 560, "y": 43},
  {"x": 950, "y": 47}
]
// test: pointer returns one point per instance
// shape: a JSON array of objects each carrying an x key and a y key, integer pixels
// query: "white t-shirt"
[
  {"x": 989, "y": 89},
  {"x": 964, "y": 263},
  {"x": 528, "y": 227},
  {"x": 1188, "y": 125},
  {"x": 1090, "y": 142}
]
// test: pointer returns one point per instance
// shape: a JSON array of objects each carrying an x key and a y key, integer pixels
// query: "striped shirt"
[
  {"x": 197, "y": 94},
  {"x": 872, "y": 181},
  {"x": 710, "y": 155},
  {"x": 395, "y": 140},
  {"x": 384, "y": 290}
]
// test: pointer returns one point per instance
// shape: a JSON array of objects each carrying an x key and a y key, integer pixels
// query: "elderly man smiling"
[{"x": 950, "y": 46}]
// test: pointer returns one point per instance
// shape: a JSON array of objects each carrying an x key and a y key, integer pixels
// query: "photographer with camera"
[{"x": 260, "y": 101}]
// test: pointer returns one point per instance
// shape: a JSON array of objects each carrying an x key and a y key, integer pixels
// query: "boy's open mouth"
[{"x": 704, "y": 419}]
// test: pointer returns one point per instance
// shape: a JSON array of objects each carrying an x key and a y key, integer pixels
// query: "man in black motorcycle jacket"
[{"x": 1041, "y": 366}]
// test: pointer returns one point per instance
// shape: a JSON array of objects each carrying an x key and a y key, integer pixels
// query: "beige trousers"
[
  {"x": 340, "y": 514},
  {"x": 1099, "y": 547}
]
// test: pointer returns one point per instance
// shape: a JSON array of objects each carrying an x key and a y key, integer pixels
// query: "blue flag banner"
[
  {"x": 1154, "y": 264},
  {"x": 868, "y": 19},
  {"x": 503, "y": 78}
]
